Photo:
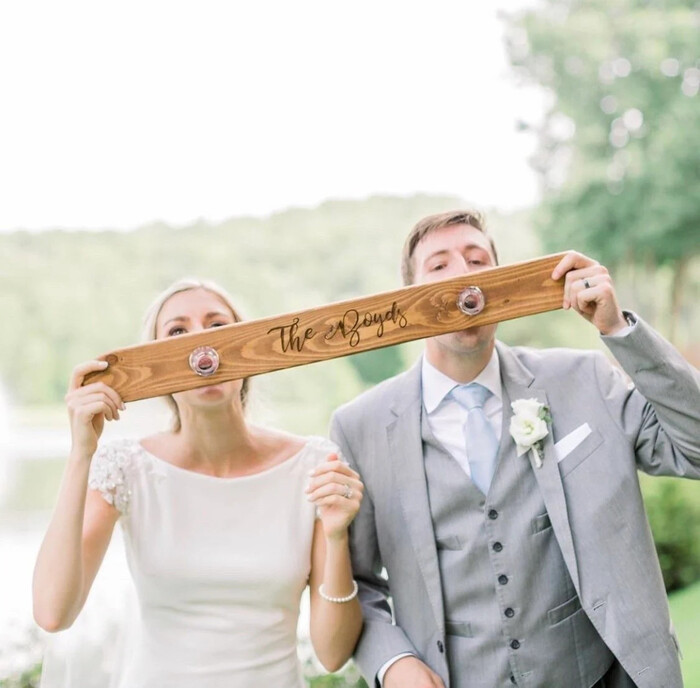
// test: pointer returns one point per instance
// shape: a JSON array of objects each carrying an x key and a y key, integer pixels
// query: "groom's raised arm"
[{"x": 662, "y": 409}]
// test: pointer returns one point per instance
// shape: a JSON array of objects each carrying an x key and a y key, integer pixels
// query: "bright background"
[
  {"x": 284, "y": 150},
  {"x": 117, "y": 114}
]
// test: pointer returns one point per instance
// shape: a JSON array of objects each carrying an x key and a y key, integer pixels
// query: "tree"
[{"x": 617, "y": 151}]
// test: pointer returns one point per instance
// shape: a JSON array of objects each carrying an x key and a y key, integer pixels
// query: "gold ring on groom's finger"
[{"x": 348, "y": 491}]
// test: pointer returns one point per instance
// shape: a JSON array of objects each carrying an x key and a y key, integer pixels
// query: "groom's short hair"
[{"x": 431, "y": 223}]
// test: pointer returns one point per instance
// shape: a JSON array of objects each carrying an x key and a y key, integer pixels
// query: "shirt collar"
[{"x": 436, "y": 385}]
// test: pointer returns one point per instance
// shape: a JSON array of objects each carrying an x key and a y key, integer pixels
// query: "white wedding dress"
[{"x": 219, "y": 566}]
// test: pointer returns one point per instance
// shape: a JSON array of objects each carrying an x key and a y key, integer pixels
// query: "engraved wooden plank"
[{"x": 370, "y": 322}]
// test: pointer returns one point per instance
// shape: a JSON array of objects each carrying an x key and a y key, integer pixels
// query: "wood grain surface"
[{"x": 338, "y": 329}]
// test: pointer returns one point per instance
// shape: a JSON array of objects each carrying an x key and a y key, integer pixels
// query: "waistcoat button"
[
  {"x": 441, "y": 647},
  {"x": 514, "y": 644},
  {"x": 493, "y": 514},
  {"x": 510, "y": 613},
  {"x": 497, "y": 546},
  {"x": 502, "y": 579}
]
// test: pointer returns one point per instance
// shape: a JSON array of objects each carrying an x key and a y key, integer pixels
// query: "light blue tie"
[{"x": 479, "y": 436}]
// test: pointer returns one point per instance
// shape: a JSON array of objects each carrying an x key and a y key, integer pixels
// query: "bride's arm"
[
  {"x": 82, "y": 523},
  {"x": 336, "y": 622},
  {"x": 71, "y": 552}
]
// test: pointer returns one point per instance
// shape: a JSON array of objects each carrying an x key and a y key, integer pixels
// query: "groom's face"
[{"x": 451, "y": 252}]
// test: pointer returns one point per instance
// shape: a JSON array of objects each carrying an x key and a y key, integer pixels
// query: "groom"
[{"x": 533, "y": 569}]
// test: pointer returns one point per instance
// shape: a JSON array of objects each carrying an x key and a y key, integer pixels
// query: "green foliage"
[
  {"x": 26, "y": 679},
  {"x": 348, "y": 678},
  {"x": 674, "y": 515},
  {"x": 615, "y": 150},
  {"x": 20, "y": 660},
  {"x": 316, "y": 676},
  {"x": 375, "y": 366}
]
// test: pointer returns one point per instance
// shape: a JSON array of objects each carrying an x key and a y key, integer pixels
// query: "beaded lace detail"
[
  {"x": 323, "y": 444},
  {"x": 109, "y": 473}
]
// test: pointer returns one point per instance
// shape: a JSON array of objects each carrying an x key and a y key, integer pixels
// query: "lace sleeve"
[
  {"x": 322, "y": 447},
  {"x": 109, "y": 474}
]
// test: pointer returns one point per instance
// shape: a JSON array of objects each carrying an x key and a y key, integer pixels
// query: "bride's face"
[{"x": 196, "y": 310}]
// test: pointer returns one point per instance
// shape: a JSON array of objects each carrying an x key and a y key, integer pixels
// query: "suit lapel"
[
  {"x": 519, "y": 383},
  {"x": 405, "y": 442}
]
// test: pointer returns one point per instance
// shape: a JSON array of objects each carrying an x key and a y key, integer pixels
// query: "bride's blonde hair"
[{"x": 150, "y": 319}]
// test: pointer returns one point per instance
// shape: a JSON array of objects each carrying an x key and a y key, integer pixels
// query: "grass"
[{"x": 685, "y": 612}]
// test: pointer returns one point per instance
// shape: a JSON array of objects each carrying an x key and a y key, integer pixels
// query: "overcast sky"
[{"x": 117, "y": 114}]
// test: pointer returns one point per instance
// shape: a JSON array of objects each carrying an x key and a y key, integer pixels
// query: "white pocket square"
[{"x": 567, "y": 444}]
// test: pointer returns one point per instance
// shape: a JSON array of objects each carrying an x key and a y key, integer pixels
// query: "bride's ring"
[
  {"x": 586, "y": 283},
  {"x": 348, "y": 491}
]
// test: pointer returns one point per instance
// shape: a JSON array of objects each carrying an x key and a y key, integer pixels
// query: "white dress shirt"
[{"x": 446, "y": 417}]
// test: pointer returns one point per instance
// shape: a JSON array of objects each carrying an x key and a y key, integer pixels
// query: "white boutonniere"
[{"x": 528, "y": 427}]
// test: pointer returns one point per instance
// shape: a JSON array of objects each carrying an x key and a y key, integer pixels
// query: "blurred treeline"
[{"x": 69, "y": 295}]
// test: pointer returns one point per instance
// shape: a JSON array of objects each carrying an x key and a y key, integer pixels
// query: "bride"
[{"x": 224, "y": 522}]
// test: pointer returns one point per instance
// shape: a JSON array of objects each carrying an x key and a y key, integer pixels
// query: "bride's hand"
[
  {"x": 337, "y": 492},
  {"x": 88, "y": 407}
]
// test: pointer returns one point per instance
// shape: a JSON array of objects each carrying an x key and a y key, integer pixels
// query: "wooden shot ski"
[{"x": 347, "y": 327}]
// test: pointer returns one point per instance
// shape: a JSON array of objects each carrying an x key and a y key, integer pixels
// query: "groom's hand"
[
  {"x": 589, "y": 290},
  {"x": 410, "y": 672}
]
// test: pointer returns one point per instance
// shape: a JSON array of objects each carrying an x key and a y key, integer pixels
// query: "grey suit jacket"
[{"x": 593, "y": 497}]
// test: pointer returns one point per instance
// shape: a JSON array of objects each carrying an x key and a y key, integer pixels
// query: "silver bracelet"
[{"x": 339, "y": 600}]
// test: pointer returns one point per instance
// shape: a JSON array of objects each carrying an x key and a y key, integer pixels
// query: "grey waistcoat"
[{"x": 511, "y": 609}]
